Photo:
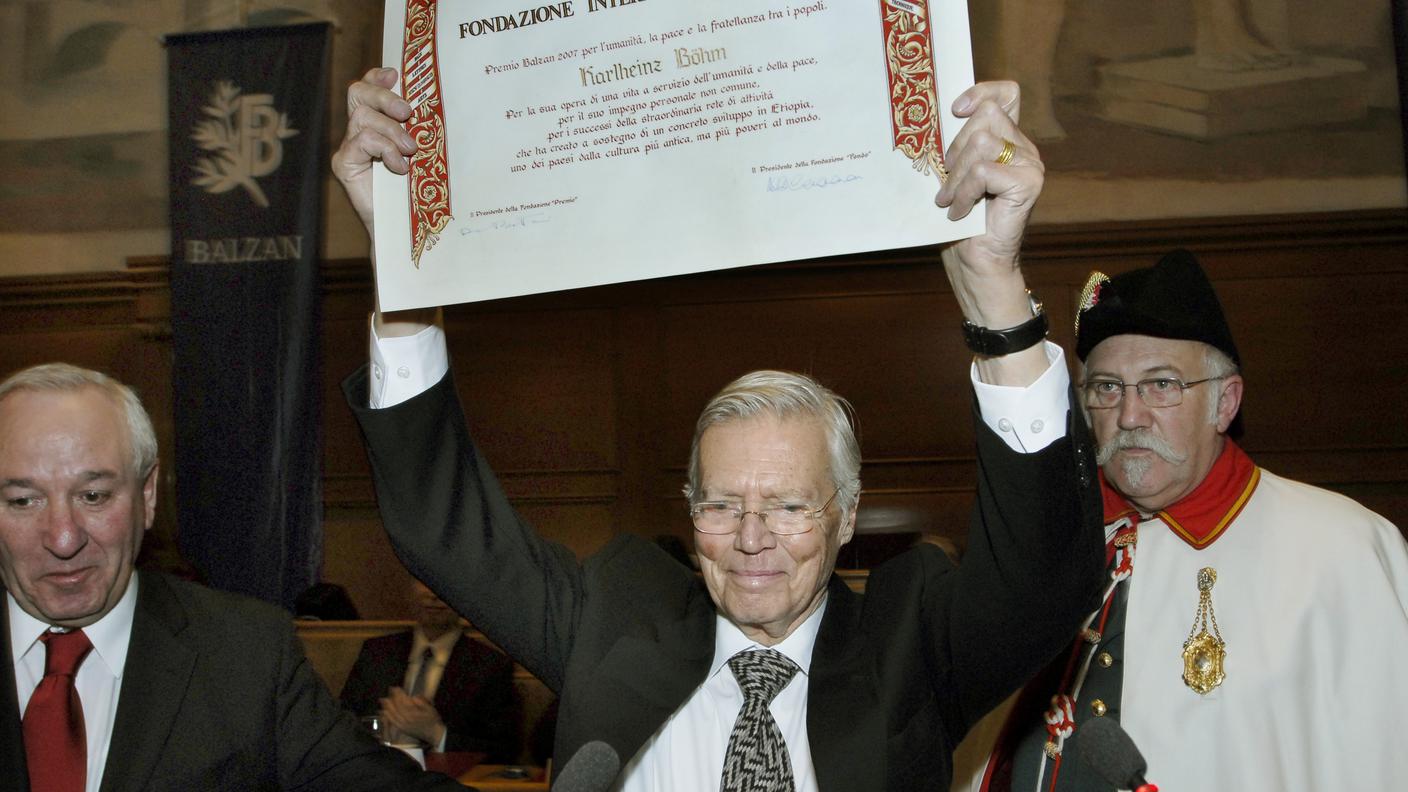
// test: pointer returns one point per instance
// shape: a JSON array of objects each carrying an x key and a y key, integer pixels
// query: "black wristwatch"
[{"x": 995, "y": 343}]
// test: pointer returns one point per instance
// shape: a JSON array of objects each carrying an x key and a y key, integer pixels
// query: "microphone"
[
  {"x": 1106, "y": 748},
  {"x": 591, "y": 769}
]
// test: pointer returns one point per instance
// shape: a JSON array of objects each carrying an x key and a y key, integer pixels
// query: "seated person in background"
[
  {"x": 438, "y": 685},
  {"x": 766, "y": 673},
  {"x": 325, "y": 602},
  {"x": 139, "y": 681},
  {"x": 1254, "y": 632}
]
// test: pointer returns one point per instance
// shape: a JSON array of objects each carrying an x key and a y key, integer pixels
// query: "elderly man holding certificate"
[{"x": 765, "y": 672}]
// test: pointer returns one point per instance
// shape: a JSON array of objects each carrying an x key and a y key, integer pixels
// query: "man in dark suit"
[
  {"x": 766, "y": 672},
  {"x": 119, "y": 681},
  {"x": 437, "y": 685}
]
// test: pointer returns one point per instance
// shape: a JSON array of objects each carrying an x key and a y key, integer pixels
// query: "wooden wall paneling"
[
  {"x": 538, "y": 386},
  {"x": 584, "y": 526},
  {"x": 638, "y": 349},
  {"x": 357, "y": 555},
  {"x": 347, "y": 303},
  {"x": 88, "y": 320},
  {"x": 539, "y": 389},
  {"x": 150, "y": 371},
  {"x": 1306, "y": 389},
  {"x": 585, "y": 400}
]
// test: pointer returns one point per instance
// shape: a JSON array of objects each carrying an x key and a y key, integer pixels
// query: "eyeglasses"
[
  {"x": 1101, "y": 394},
  {"x": 783, "y": 519}
]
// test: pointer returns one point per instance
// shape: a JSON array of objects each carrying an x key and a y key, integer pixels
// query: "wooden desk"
[
  {"x": 453, "y": 763},
  {"x": 497, "y": 778},
  {"x": 465, "y": 767}
]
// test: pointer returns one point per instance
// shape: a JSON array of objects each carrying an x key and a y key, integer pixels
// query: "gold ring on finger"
[{"x": 1008, "y": 149}]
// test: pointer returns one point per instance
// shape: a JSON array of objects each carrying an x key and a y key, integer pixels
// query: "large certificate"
[{"x": 582, "y": 142}]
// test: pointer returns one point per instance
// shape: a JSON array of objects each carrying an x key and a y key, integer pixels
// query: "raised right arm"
[{"x": 448, "y": 519}]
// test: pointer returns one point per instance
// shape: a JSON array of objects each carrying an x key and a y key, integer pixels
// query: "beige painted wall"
[{"x": 83, "y": 122}]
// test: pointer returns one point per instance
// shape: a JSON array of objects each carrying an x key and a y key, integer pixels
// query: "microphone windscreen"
[
  {"x": 591, "y": 769},
  {"x": 1107, "y": 749}
]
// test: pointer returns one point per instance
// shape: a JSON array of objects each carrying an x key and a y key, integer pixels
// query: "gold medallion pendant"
[{"x": 1204, "y": 652}]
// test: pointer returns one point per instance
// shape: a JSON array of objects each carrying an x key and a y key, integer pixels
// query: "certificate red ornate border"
[
  {"x": 913, "y": 96},
  {"x": 429, "y": 177}
]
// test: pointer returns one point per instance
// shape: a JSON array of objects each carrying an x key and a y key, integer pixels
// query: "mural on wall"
[
  {"x": 83, "y": 116},
  {"x": 1202, "y": 107},
  {"x": 1142, "y": 109},
  {"x": 80, "y": 123}
]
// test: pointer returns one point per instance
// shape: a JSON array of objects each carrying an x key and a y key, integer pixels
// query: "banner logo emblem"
[{"x": 244, "y": 133}]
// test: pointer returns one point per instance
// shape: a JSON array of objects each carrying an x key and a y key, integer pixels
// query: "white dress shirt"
[
  {"x": 404, "y": 366},
  {"x": 99, "y": 678},
  {"x": 687, "y": 753},
  {"x": 1031, "y": 418},
  {"x": 440, "y": 649}
]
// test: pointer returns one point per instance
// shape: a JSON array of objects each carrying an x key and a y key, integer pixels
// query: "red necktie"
[{"x": 55, "y": 744}]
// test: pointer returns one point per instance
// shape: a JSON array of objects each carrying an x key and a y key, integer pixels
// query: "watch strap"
[{"x": 995, "y": 343}]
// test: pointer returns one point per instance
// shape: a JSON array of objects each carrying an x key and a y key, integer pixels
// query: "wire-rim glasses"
[
  {"x": 1103, "y": 394},
  {"x": 783, "y": 519}
]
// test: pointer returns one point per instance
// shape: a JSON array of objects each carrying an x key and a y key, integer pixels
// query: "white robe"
[{"x": 1312, "y": 601}]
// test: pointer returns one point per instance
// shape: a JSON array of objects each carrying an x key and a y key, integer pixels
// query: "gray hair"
[
  {"x": 783, "y": 394},
  {"x": 67, "y": 378},
  {"x": 1219, "y": 365}
]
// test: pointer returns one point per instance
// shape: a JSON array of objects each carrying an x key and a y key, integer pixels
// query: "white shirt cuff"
[
  {"x": 406, "y": 366},
  {"x": 1031, "y": 418}
]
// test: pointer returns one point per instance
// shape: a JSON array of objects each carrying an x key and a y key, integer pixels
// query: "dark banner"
[{"x": 248, "y": 143}]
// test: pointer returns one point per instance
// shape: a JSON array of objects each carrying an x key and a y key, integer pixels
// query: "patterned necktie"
[
  {"x": 55, "y": 745},
  {"x": 418, "y": 684},
  {"x": 757, "y": 759}
]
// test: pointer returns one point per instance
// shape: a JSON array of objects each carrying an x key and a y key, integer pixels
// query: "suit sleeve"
[
  {"x": 487, "y": 718},
  {"x": 13, "y": 766},
  {"x": 1032, "y": 571},
  {"x": 453, "y": 527},
  {"x": 359, "y": 694}
]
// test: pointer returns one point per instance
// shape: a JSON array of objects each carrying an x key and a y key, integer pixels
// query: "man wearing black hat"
[{"x": 1254, "y": 629}]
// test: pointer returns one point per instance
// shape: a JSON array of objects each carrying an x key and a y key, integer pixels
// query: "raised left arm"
[{"x": 991, "y": 158}]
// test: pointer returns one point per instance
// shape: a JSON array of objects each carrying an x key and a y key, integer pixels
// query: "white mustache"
[{"x": 1138, "y": 438}]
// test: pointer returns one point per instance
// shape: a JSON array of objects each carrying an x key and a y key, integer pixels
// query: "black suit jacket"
[
  {"x": 475, "y": 699},
  {"x": 897, "y": 675},
  {"x": 216, "y": 695}
]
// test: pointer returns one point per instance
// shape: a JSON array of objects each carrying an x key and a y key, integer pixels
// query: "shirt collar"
[
  {"x": 729, "y": 641},
  {"x": 109, "y": 635},
  {"x": 440, "y": 647}
]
